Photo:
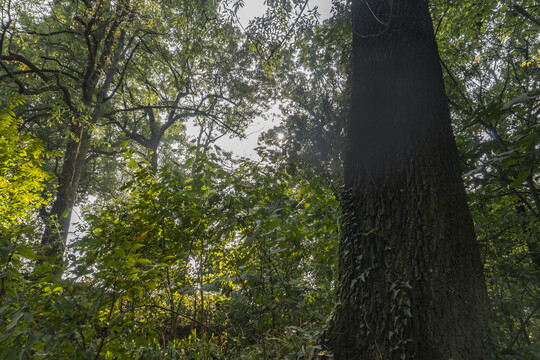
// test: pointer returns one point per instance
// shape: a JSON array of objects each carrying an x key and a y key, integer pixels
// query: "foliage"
[
  {"x": 21, "y": 174},
  {"x": 181, "y": 253},
  {"x": 489, "y": 53},
  {"x": 315, "y": 98}
]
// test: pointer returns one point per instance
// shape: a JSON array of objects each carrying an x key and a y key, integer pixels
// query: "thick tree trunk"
[
  {"x": 57, "y": 227},
  {"x": 411, "y": 281}
]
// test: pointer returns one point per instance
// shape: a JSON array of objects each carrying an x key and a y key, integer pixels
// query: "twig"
[{"x": 509, "y": 347}]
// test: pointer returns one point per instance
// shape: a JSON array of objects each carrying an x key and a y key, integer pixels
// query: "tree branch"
[
  {"x": 525, "y": 13},
  {"x": 123, "y": 72},
  {"x": 182, "y": 315},
  {"x": 54, "y": 33},
  {"x": 59, "y": 87},
  {"x": 95, "y": 153},
  {"x": 21, "y": 86},
  {"x": 25, "y": 61},
  {"x": 508, "y": 349}
]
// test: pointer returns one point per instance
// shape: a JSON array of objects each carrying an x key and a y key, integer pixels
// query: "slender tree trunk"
[
  {"x": 529, "y": 230},
  {"x": 59, "y": 219},
  {"x": 154, "y": 158},
  {"x": 57, "y": 227},
  {"x": 411, "y": 282}
]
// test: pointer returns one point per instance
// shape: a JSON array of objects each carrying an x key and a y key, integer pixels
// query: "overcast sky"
[{"x": 254, "y": 8}]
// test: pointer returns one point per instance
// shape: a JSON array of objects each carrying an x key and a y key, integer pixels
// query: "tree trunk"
[
  {"x": 411, "y": 282},
  {"x": 58, "y": 221}
]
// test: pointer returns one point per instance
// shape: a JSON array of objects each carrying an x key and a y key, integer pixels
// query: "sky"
[
  {"x": 254, "y": 8},
  {"x": 245, "y": 147}
]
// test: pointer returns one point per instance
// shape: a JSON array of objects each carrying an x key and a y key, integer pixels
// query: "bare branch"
[
  {"x": 25, "y": 61},
  {"x": 54, "y": 33}
]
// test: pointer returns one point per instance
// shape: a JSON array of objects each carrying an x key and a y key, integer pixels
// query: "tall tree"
[
  {"x": 98, "y": 70},
  {"x": 73, "y": 53},
  {"x": 411, "y": 282}
]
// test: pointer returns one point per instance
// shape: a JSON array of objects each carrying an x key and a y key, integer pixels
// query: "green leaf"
[
  {"x": 14, "y": 321},
  {"x": 6, "y": 251},
  {"x": 520, "y": 179},
  {"x": 140, "y": 340},
  {"x": 509, "y": 162},
  {"x": 118, "y": 302},
  {"x": 9, "y": 355},
  {"x": 57, "y": 306},
  {"x": 65, "y": 213},
  {"x": 139, "y": 238},
  {"x": 133, "y": 293},
  {"x": 30, "y": 341},
  {"x": 26, "y": 251},
  {"x": 26, "y": 229},
  {"x": 133, "y": 164},
  {"x": 28, "y": 317},
  {"x": 120, "y": 253}
]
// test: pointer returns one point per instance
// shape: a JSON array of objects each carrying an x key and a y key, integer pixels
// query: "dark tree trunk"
[{"x": 411, "y": 281}]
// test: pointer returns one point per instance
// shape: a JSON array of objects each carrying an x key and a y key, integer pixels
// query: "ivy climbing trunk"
[{"x": 411, "y": 282}]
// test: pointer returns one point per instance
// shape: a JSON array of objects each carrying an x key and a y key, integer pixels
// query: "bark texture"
[{"x": 411, "y": 282}]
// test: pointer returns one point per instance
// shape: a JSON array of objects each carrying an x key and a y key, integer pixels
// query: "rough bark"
[{"x": 410, "y": 281}]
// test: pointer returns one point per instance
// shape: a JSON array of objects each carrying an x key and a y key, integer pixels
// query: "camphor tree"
[{"x": 411, "y": 283}]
